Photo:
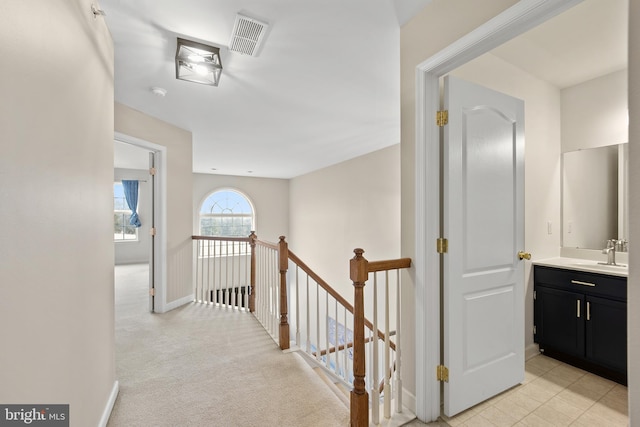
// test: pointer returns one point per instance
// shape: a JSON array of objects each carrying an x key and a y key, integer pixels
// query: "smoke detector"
[
  {"x": 247, "y": 35},
  {"x": 159, "y": 91}
]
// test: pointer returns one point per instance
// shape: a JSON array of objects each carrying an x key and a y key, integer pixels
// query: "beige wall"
[
  {"x": 634, "y": 199},
  {"x": 270, "y": 199},
  {"x": 179, "y": 184},
  {"x": 349, "y": 205},
  {"x": 439, "y": 24},
  {"x": 56, "y": 226},
  {"x": 595, "y": 113}
]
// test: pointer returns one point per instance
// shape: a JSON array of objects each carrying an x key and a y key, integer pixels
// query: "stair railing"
[
  {"x": 222, "y": 271},
  {"x": 246, "y": 274},
  {"x": 272, "y": 282},
  {"x": 360, "y": 271}
]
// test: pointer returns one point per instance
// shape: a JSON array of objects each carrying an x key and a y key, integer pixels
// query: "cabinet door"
[
  {"x": 606, "y": 329},
  {"x": 559, "y": 320}
]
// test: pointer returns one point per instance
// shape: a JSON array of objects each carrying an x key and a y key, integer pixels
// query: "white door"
[
  {"x": 152, "y": 250},
  {"x": 483, "y": 220}
]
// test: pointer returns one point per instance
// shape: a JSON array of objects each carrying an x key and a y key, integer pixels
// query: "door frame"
[
  {"x": 514, "y": 21},
  {"x": 160, "y": 220}
]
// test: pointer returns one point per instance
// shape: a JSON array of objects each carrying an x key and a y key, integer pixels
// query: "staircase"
[{"x": 359, "y": 359}]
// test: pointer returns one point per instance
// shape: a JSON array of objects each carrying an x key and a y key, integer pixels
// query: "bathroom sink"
[
  {"x": 588, "y": 265},
  {"x": 593, "y": 265}
]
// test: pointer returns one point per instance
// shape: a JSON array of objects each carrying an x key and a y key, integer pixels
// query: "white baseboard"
[
  {"x": 530, "y": 351},
  {"x": 109, "y": 407},
  {"x": 178, "y": 303},
  {"x": 408, "y": 400}
]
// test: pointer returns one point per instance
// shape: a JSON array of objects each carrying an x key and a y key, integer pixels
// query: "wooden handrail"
[
  {"x": 324, "y": 285},
  {"x": 390, "y": 264},
  {"x": 267, "y": 244},
  {"x": 343, "y": 346},
  {"x": 222, "y": 239}
]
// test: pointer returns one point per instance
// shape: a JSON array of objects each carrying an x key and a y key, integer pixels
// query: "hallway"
[{"x": 202, "y": 366}]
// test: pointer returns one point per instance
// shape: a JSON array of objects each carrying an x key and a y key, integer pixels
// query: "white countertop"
[{"x": 579, "y": 264}]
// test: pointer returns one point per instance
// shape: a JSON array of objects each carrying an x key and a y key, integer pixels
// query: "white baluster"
[
  {"x": 206, "y": 283},
  {"x": 346, "y": 347},
  {"x": 337, "y": 340},
  {"x": 375, "y": 388},
  {"x": 387, "y": 347},
  {"x": 327, "y": 359},
  {"x": 232, "y": 289},
  {"x": 198, "y": 271},
  {"x": 197, "y": 267},
  {"x": 308, "y": 319},
  {"x": 276, "y": 295},
  {"x": 398, "y": 378},
  {"x": 297, "y": 309},
  {"x": 246, "y": 276},
  {"x": 317, "y": 321}
]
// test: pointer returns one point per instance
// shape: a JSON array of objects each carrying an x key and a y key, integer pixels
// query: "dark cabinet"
[
  {"x": 558, "y": 322},
  {"x": 581, "y": 318},
  {"x": 606, "y": 332}
]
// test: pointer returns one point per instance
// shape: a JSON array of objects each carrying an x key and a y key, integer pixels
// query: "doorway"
[
  {"x": 523, "y": 16},
  {"x": 144, "y": 162}
]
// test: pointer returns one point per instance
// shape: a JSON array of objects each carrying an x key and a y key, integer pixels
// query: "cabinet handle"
[
  {"x": 578, "y": 282},
  {"x": 578, "y": 307},
  {"x": 588, "y": 310}
]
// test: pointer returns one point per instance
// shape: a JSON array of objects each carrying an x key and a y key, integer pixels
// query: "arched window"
[{"x": 226, "y": 213}]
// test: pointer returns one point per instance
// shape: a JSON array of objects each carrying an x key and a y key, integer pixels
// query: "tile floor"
[{"x": 552, "y": 394}]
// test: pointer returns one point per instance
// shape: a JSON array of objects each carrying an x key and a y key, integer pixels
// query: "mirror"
[{"x": 594, "y": 196}]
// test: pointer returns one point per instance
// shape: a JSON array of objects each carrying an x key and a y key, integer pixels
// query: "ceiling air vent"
[{"x": 247, "y": 36}]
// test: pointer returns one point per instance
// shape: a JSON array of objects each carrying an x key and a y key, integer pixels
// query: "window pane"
[
  {"x": 226, "y": 201},
  {"x": 119, "y": 201},
  {"x": 226, "y": 213},
  {"x": 121, "y": 215}
]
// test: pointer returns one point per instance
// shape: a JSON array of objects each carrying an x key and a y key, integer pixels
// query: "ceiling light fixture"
[{"x": 198, "y": 63}]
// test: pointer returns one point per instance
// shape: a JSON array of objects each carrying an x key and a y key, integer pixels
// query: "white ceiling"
[{"x": 325, "y": 85}]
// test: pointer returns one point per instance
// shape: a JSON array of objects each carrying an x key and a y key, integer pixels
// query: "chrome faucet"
[
  {"x": 621, "y": 245},
  {"x": 610, "y": 250}
]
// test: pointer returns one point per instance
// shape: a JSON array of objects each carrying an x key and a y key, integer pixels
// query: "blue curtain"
[{"x": 131, "y": 195}]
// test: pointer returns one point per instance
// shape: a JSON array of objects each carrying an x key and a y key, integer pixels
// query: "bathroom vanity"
[{"x": 580, "y": 314}]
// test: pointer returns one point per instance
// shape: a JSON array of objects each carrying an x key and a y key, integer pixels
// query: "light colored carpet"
[{"x": 204, "y": 366}]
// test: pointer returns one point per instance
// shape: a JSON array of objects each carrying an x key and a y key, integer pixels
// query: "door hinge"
[
  {"x": 152, "y": 292},
  {"x": 535, "y": 331},
  {"x": 442, "y": 245},
  {"x": 442, "y": 373},
  {"x": 535, "y": 295},
  {"x": 152, "y": 171},
  {"x": 152, "y": 231},
  {"x": 442, "y": 118}
]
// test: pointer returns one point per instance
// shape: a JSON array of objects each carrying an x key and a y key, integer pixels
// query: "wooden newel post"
[
  {"x": 283, "y": 251},
  {"x": 359, "y": 395},
  {"x": 252, "y": 293}
]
